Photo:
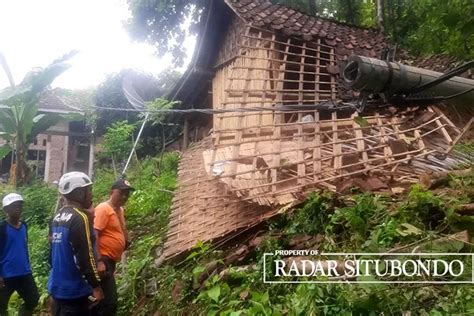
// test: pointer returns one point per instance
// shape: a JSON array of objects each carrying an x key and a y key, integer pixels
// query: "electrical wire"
[
  {"x": 331, "y": 106},
  {"x": 456, "y": 71}
]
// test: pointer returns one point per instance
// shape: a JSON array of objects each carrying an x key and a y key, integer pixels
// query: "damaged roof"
[
  {"x": 247, "y": 172},
  {"x": 344, "y": 37}
]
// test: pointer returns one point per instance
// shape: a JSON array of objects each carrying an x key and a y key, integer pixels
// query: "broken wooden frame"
[
  {"x": 272, "y": 157},
  {"x": 257, "y": 163}
]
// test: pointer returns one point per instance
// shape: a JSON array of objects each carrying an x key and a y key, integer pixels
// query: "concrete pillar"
[
  {"x": 65, "y": 154},
  {"x": 47, "y": 160}
]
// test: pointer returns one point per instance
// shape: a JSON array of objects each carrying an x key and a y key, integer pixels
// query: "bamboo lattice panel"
[
  {"x": 202, "y": 208},
  {"x": 293, "y": 158},
  {"x": 273, "y": 157},
  {"x": 270, "y": 70}
]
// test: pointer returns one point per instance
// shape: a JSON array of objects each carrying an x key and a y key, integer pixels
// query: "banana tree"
[{"x": 20, "y": 122}]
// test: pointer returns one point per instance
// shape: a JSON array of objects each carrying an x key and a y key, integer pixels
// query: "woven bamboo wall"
[
  {"x": 268, "y": 71},
  {"x": 202, "y": 208}
]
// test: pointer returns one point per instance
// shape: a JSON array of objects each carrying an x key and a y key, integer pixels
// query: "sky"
[{"x": 33, "y": 33}]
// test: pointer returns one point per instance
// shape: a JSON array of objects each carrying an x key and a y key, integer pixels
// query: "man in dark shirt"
[
  {"x": 74, "y": 282},
  {"x": 15, "y": 269}
]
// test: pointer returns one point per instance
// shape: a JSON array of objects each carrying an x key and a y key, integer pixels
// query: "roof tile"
[{"x": 345, "y": 39}]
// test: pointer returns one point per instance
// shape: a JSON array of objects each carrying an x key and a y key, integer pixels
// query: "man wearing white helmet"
[
  {"x": 15, "y": 268},
  {"x": 74, "y": 281}
]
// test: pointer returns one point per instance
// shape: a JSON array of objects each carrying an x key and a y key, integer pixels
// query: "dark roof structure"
[
  {"x": 215, "y": 20},
  {"x": 57, "y": 101},
  {"x": 345, "y": 38}
]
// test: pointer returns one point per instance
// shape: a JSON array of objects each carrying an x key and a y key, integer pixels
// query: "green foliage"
[
  {"x": 428, "y": 208},
  {"x": 132, "y": 282},
  {"x": 159, "y": 104},
  {"x": 160, "y": 23},
  {"x": 154, "y": 187},
  {"x": 312, "y": 217},
  {"x": 118, "y": 141},
  {"x": 39, "y": 258},
  {"x": 102, "y": 183},
  {"x": 20, "y": 122},
  {"x": 147, "y": 213},
  {"x": 432, "y": 26},
  {"x": 353, "y": 222},
  {"x": 300, "y": 5},
  {"x": 40, "y": 200},
  {"x": 110, "y": 94},
  {"x": 199, "y": 249}
]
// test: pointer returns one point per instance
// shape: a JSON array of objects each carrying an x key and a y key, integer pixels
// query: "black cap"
[{"x": 122, "y": 184}]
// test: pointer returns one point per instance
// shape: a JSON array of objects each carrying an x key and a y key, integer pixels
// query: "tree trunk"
[
  {"x": 113, "y": 166},
  {"x": 350, "y": 12},
  {"x": 391, "y": 18},
  {"x": 380, "y": 15},
  {"x": 21, "y": 166},
  {"x": 7, "y": 70},
  {"x": 312, "y": 7}
]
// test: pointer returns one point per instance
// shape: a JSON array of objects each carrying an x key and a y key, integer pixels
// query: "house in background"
[
  {"x": 275, "y": 65},
  {"x": 62, "y": 148}
]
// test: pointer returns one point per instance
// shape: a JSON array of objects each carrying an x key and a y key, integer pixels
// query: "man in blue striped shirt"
[
  {"x": 15, "y": 268},
  {"x": 74, "y": 282}
]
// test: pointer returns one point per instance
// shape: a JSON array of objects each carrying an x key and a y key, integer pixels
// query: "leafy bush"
[
  {"x": 364, "y": 222},
  {"x": 39, "y": 258},
  {"x": 104, "y": 178},
  {"x": 426, "y": 207},
  {"x": 133, "y": 281},
  {"x": 118, "y": 141},
  {"x": 147, "y": 214},
  {"x": 312, "y": 217},
  {"x": 154, "y": 186},
  {"x": 40, "y": 201}
]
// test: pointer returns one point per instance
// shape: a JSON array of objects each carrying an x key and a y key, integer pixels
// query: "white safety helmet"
[
  {"x": 73, "y": 180},
  {"x": 11, "y": 198}
]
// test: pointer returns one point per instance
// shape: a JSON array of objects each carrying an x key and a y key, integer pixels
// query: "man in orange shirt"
[{"x": 112, "y": 240}]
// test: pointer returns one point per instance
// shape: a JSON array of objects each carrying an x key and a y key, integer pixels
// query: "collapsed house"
[{"x": 264, "y": 66}]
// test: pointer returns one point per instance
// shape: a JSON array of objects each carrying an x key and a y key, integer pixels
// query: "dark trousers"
[
  {"x": 74, "y": 307},
  {"x": 26, "y": 287},
  {"x": 108, "y": 306}
]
